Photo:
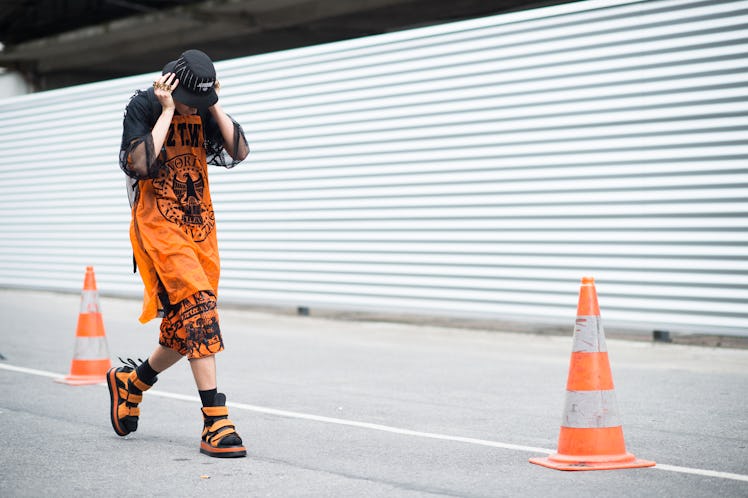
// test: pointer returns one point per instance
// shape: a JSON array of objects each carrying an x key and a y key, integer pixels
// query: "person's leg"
[
  {"x": 203, "y": 337},
  {"x": 204, "y": 372},
  {"x": 219, "y": 437},
  {"x": 162, "y": 358},
  {"x": 127, "y": 383}
]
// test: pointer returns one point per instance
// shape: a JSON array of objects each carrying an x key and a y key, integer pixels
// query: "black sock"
[
  {"x": 146, "y": 373},
  {"x": 208, "y": 396}
]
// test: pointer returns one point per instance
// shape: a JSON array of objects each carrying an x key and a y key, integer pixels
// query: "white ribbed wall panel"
[{"x": 473, "y": 169}]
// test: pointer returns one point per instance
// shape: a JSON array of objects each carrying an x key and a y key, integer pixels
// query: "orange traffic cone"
[
  {"x": 91, "y": 356},
  {"x": 591, "y": 435}
]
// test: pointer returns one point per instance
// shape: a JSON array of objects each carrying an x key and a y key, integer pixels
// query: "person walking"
[{"x": 171, "y": 133}]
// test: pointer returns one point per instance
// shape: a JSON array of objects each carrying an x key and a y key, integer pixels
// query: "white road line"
[
  {"x": 384, "y": 428},
  {"x": 701, "y": 472},
  {"x": 362, "y": 425},
  {"x": 31, "y": 371}
]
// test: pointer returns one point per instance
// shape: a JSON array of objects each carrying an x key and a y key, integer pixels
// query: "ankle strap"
[
  {"x": 139, "y": 384},
  {"x": 215, "y": 411}
]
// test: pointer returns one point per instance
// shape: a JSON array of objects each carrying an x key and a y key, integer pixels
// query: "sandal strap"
[
  {"x": 219, "y": 429},
  {"x": 127, "y": 411},
  {"x": 220, "y": 424},
  {"x": 215, "y": 439},
  {"x": 139, "y": 384},
  {"x": 129, "y": 397},
  {"x": 215, "y": 411},
  {"x": 123, "y": 377},
  {"x": 134, "y": 398}
]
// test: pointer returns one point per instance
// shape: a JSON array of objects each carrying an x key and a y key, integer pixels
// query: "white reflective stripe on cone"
[
  {"x": 591, "y": 409},
  {"x": 90, "y": 301},
  {"x": 90, "y": 348},
  {"x": 589, "y": 336}
]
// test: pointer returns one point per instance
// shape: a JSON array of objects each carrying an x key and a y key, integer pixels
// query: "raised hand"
[{"x": 163, "y": 88}]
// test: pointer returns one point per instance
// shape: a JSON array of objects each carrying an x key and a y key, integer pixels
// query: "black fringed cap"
[{"x": 197, "y": 79}]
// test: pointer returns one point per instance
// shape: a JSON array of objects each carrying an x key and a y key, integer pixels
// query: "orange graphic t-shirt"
[{"x": 173, "y": 226}]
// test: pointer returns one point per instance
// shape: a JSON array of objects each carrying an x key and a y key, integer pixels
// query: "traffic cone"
[
  {"x": 91, "y": 356},
  {"x": 591, "y": 436}
]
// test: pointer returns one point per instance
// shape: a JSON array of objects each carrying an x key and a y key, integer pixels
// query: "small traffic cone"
[
  {"x": 591, "y": 436},
  {"x": 91, "y": 356}
]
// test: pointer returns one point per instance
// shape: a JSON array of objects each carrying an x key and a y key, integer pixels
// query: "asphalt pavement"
[{"x": 335, "y": 408}]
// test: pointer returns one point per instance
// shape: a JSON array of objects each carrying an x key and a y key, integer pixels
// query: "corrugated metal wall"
[{"x": 474, "y": 169}]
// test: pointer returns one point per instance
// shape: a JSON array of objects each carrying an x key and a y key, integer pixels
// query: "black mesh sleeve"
[
  {"x": 137, "y": 157},
  {"x": 216, "y": 154}
]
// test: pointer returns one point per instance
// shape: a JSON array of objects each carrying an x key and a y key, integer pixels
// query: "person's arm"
[
  {"x": 163, "y": 94},
  {"x": 234, "y": 141},
  {"x": 140, "y": 146}
]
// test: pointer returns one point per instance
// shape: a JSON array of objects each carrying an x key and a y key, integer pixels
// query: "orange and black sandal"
[
  {"x": 220, "y": 438},
  {"x": 125, "y": 393}
]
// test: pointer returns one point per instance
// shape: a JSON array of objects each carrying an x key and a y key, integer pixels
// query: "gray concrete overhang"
[{"x": 224, "y": 29}]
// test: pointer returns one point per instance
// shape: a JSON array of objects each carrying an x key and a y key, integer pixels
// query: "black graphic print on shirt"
[{"x": 180, "y": 196}]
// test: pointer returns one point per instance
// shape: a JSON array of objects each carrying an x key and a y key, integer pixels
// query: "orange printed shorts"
[{"x": 191, "y": 326}]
